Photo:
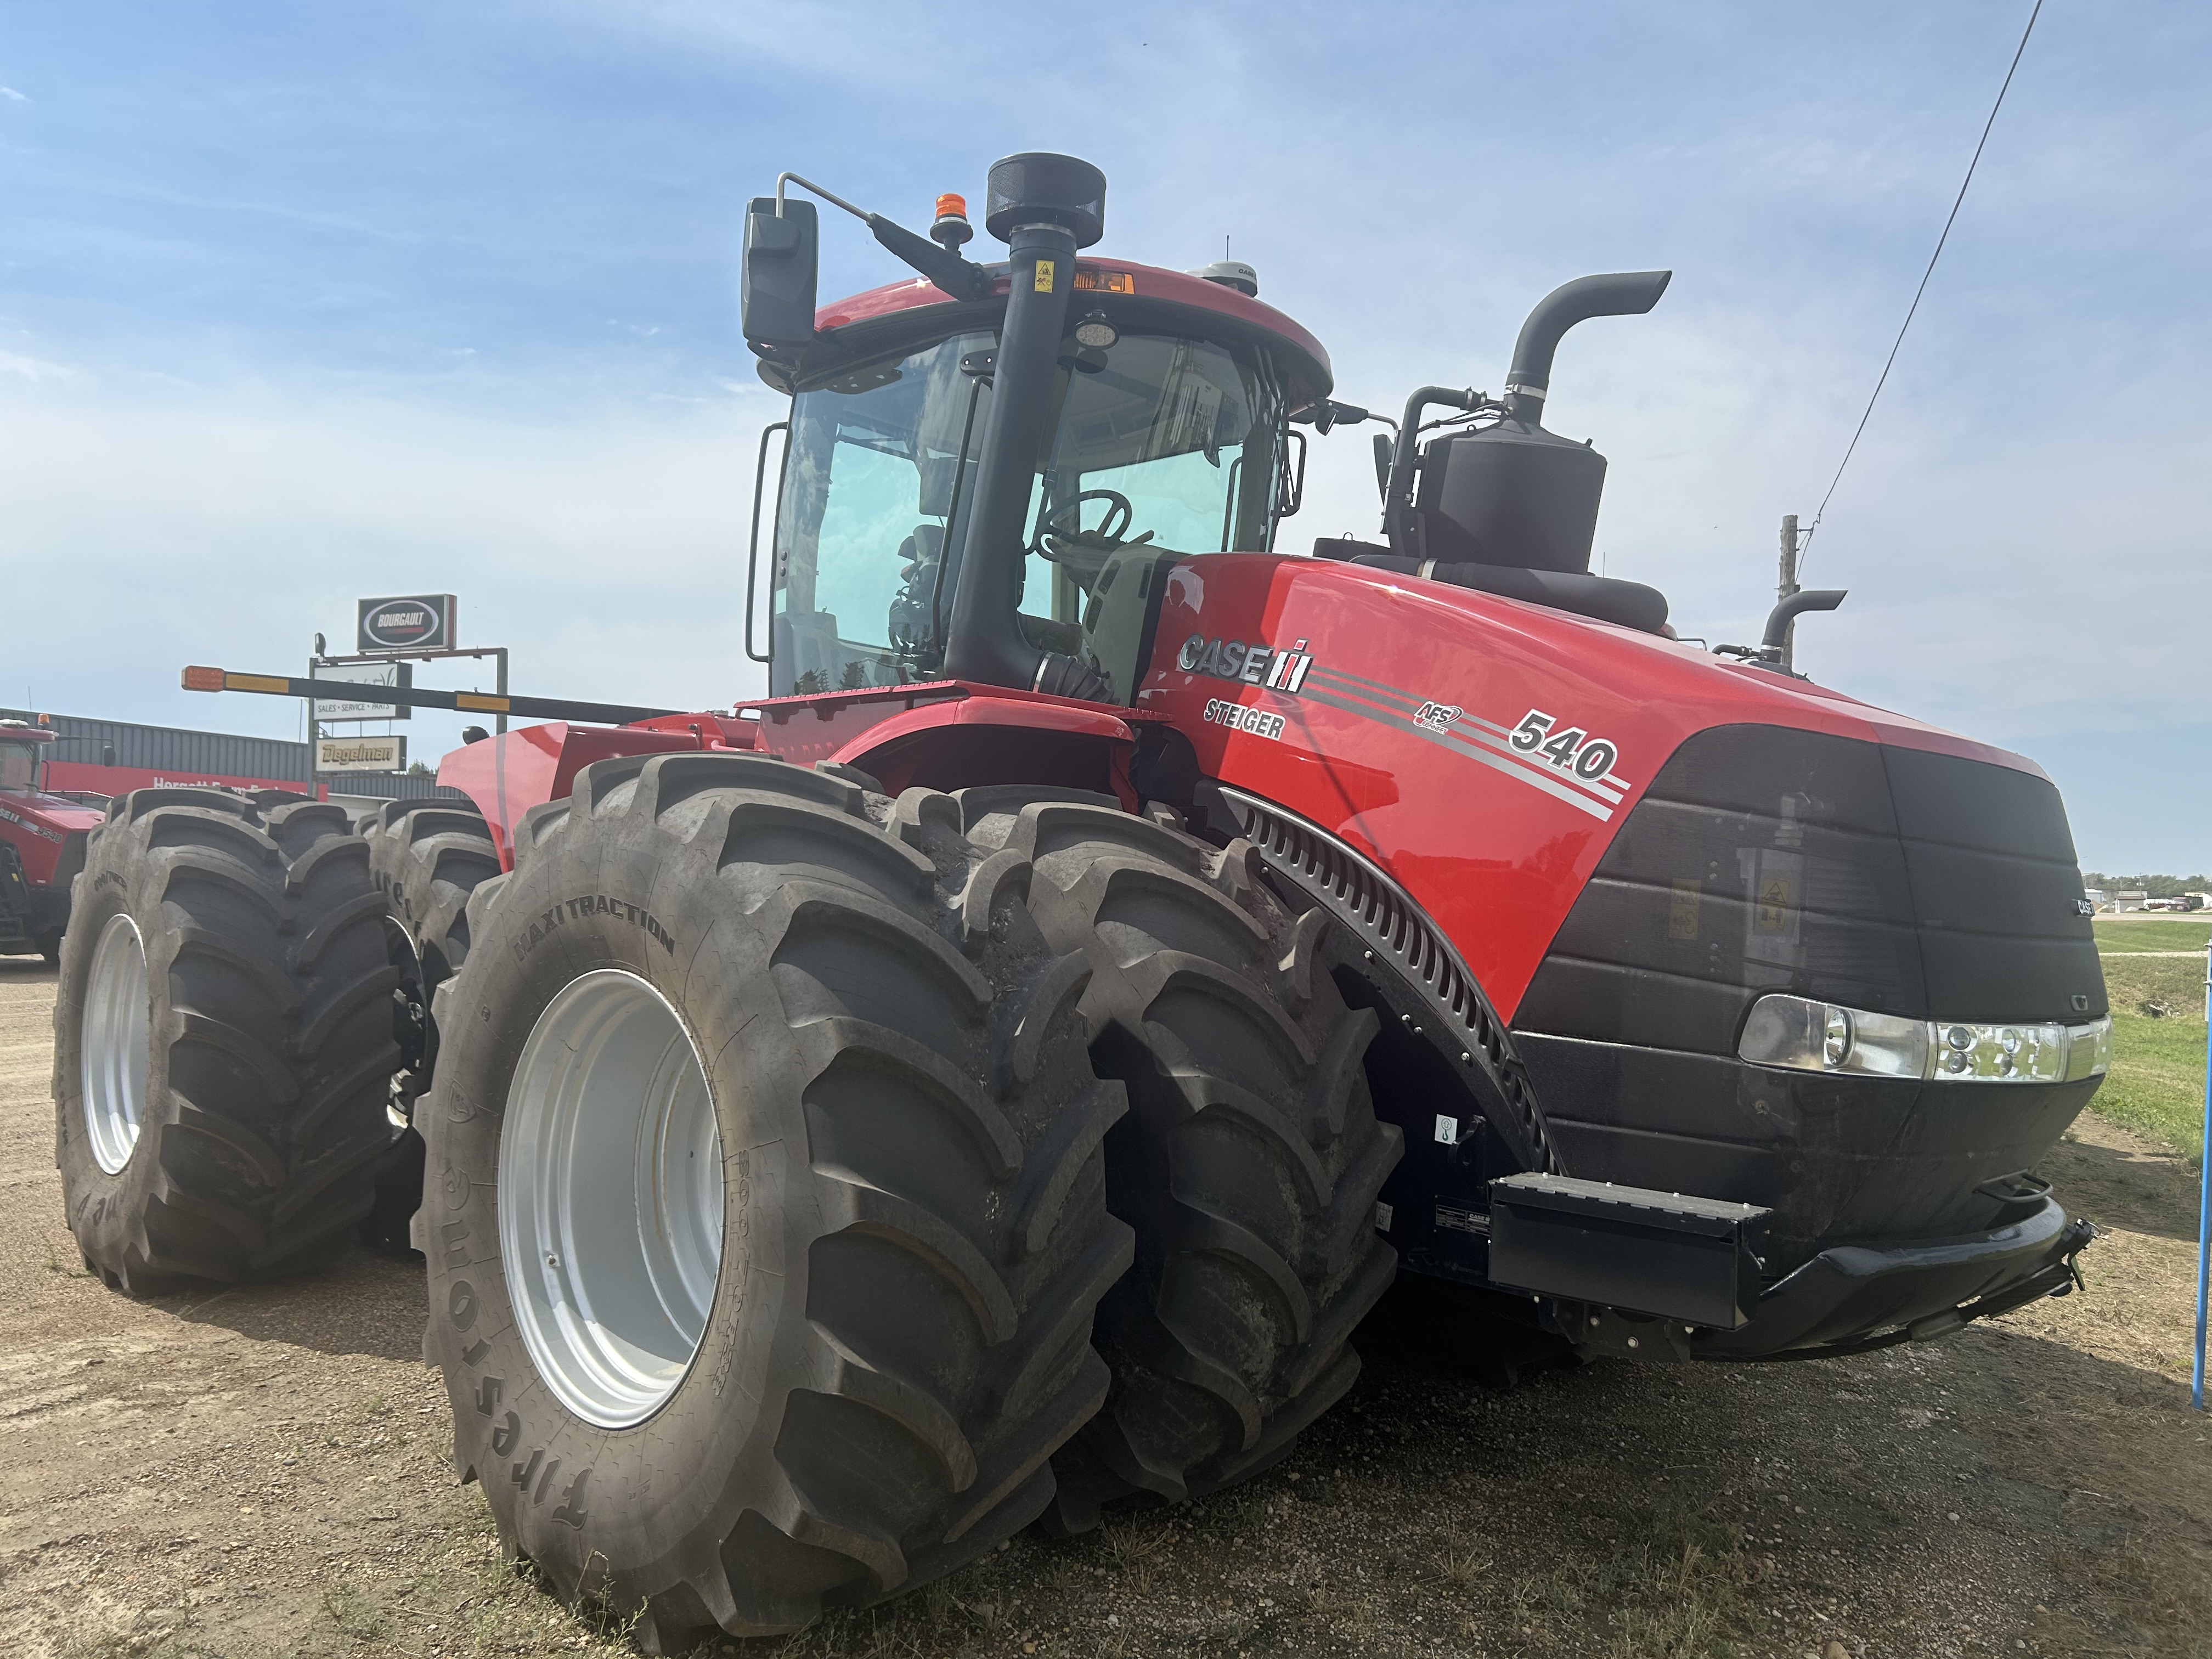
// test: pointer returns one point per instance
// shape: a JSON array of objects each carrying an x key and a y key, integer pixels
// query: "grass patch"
[
  {"x": 2156, "y": 1086},
  {"x": 1677, "y": 1585},
  {"x": 2122, "y": 934}
]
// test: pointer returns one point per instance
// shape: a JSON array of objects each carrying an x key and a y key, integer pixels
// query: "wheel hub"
[
  {"x": 610, "y": 1198},
  {"x": 117, "y": 1015}
]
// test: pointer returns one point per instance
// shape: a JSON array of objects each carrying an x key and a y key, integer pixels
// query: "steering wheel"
[
  {"x": 1109, "y": 529},
  {"x": 1083, "y": 553}
]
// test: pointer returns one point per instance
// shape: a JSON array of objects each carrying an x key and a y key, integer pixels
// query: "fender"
[
  {"x": 985, "y": 738},
  {"x": 508, "y": 774},
  {"x": 945, "y": 735},
  {"x": 1388, "y": 942}
]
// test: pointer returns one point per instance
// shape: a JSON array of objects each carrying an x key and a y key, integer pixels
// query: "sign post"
[{"x": 2204, "y": 1199}]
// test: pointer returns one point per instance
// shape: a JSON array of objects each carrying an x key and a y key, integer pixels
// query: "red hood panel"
[{"x": 1385, "y": 709}]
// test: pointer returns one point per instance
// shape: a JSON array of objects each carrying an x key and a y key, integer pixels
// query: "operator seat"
[{"x": 1603, "y": 599}]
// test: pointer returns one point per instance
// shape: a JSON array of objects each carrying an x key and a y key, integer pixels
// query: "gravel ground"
[{"x": 261, "y": 1471}]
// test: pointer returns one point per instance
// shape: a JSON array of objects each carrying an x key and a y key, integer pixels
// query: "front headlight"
[{"x": 1806, "y": 1036}]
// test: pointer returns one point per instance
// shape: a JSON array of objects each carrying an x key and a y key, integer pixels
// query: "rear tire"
[
  {"x": 874, "y": 1329},
  {"x": 222, "y": 1040},
  {"x": 426, "y": 857},
  {"x": 1250, "y": 1159}
]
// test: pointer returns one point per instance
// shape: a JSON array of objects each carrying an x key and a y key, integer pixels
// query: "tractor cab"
[
  {"x": 1166, "y": 435},
  {"x": 23, "y": 757},
  {"x": 1081, "y": 423}
]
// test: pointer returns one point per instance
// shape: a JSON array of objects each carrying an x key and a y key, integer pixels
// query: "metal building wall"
[{"x": 171, "y": 748}]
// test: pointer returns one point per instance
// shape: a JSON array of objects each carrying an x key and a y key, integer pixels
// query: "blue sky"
[{"x": 299, "y": 303}]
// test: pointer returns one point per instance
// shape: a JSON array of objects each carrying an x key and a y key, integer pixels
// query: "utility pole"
[{"x": 1787, "y": 585}]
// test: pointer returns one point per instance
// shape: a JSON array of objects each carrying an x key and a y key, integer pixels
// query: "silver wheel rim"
[
  {"x": 116, "y": 1045},
  {"x": 610, "y": 1198}
]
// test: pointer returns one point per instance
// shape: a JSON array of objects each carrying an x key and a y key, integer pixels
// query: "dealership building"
[{"x": 111, "y": 757}]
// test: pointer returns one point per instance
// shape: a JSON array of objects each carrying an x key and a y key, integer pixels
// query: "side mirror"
[{"x": 783, "y": 254}]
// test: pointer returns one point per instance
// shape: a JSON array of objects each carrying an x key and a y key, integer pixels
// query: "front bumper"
[{"x": 1851, "y": 1297}]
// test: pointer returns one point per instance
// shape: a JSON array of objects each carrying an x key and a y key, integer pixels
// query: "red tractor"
[
  {"x": 993, "y": 1076},
  {"x": 42, "y": 844}
]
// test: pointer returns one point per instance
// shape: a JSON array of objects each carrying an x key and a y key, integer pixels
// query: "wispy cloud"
[
  {"x": 14, "y": 96},
  {"x": 38, "y": 371}
]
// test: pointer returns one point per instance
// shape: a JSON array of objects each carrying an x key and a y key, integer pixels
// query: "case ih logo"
[
  {"x": 1253, "y": 665},
  {"x": 419, "y": 622}
]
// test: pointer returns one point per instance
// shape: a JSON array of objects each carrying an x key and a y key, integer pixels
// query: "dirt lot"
[{"x": 260, "y": 1472}]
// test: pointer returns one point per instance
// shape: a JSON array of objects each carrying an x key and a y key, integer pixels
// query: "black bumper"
[
  {"x": 1859, "y": 1296},
  {"x": 1847, "y": 1298}
]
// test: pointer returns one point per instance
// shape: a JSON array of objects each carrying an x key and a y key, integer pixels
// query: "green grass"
[
  {"x": 2122, "y": 933},
  {"x": 2156, "y": 1086}
]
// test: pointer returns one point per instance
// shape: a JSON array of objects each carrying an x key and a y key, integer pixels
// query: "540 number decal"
[{"x": 1568, "y": 747}]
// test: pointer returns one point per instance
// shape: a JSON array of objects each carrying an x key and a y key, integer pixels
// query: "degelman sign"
[
  {"x": 413, "y": 621},
  {"x": 360, "y": 755}
]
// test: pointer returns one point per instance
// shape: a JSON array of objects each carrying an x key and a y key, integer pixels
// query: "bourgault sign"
[{"x": 413, "y": 621}]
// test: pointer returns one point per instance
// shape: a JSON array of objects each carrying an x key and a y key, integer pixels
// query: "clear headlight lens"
[{"x": 1822, "y": 1036}]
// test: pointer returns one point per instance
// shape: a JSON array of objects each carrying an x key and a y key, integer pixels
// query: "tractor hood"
[{"x": 45, "y": 815}]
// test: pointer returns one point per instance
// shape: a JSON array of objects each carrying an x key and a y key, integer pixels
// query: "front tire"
[
  {"x": 221, "y": 1040},
  {"x": 766, "y": 1214},
  {"x": 1250, "y": 1162}
]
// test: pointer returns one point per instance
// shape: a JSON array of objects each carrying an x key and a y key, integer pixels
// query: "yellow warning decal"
[
  {"x": 1044, "y": 271},
  {"x": 478, "y": 701}
]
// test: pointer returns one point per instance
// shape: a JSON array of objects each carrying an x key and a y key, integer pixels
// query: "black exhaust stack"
[
  {"x": 1044, "y": 207},
  {"x": 1514, "y": 494}
]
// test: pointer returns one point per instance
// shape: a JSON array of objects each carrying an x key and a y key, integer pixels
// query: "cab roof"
[{"x": 861, "y": 320}]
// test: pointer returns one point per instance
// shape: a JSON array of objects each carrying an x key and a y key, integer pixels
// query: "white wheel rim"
[
  {"x": 115, "y": 1045},
  {"x": 610, "y": 1198}
]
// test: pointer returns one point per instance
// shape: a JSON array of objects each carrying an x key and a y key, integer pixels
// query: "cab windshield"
[
  {"x": 1164, "y": 442},
  {"x": 19, "y": 767}
]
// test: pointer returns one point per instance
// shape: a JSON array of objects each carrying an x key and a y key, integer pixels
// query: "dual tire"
[
  {"x": 223, "y": 1040},
  {"x": 819, "y": 1186}
]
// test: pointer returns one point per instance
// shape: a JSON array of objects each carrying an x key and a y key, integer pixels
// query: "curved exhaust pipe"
[{"x": 1620, "y": 294}]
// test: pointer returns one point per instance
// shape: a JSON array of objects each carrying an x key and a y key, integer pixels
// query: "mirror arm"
[{"x": 962, "y": 279}]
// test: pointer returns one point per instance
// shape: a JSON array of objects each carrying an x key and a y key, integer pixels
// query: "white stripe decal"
[
  {"x": 1609, "y": 789},
  {"x": 1511, "y": 764}
]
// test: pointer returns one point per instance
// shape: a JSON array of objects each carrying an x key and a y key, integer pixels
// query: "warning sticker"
[
  {"x": 1044, "y": 270},
  {"x": 1773, "y": 904},
  {"x": 1682, "y": 908}
]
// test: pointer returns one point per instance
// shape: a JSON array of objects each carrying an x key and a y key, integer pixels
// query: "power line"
[{"x": 1914, "y": 307}]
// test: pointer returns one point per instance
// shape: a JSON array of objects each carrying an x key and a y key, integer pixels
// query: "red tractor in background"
[
  {"x": 993, "y": 1076},
  {"x": 42, "y": 844}
]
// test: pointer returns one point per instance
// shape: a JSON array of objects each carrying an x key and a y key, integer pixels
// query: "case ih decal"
[{"x": 1257, "y": 664}]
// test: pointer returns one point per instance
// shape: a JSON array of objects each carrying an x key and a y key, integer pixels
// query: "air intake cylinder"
[{"x": 1514, "y": 494}]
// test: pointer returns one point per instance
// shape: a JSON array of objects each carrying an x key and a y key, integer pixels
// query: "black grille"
[{"x": 1764, "y": 859}]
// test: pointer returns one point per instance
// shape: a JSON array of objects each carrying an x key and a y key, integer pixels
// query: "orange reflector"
[
  {"x": 203, "y": 679},
  {"x": 276, "y": 683},
  {"x": 949, "y": 206},
  {"x": 474, "y": 700},
  {"x": 1104, "y": 282}
]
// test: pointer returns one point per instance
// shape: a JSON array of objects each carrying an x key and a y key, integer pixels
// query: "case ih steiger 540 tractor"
[{"x": 992, "y": 1076}]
